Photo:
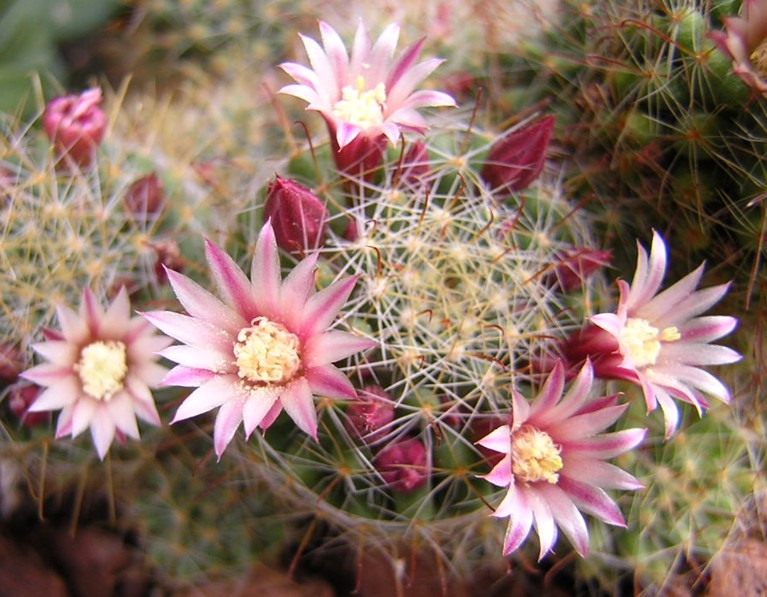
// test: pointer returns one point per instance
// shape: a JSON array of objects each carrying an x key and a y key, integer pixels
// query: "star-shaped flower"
[
  {"x": 368, "y": 92},
  {"x": 662, "y": 341},
  {"x": 100, "y": 371},
  {"x": 554, "y": 462},
  {"x": 263, "y": 348}
]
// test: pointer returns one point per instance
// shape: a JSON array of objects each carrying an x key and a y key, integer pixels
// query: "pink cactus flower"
[
  {"x": 662, "y": 341},
  {"x": 517, "y": 159},
  {"x": 554, "y": 462},
  {"x": 298, "y": 216},
  {"x": 366, "y": 97},
  {"x": 745, "y": 43},
  {"x": 76, "y": 124},
  {"x": 100, "y": 371},
  {"x": 263, "y": 348},
  {"x": 404, "y": 465}
]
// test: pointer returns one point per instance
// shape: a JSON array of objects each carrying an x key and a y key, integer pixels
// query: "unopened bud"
[
  {"x": 10, "y": 362},
  {"x": 76, "y": 124},
  {"x": 368, "y": 417},
  {"x": 517, "y": 159},
  {"x": 145, "y": 198},
  {"x": 20, "y": 398},
  {"x": 415, "y": 165},
  {"x": 297, "y": 215},
  {"x": 168, "y": 256},
  {"x": 575, "y": 267},
  {"x": 404, "y": 465}
]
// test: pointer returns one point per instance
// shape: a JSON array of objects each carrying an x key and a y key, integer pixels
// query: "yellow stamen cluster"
[
  {"x": 267, "y": 353},
  {"x": 643, "y": 341},
  {"x": 759, "y": 59},
  {"x": 534, "y": 456},
  {"x": 102, "y": 368},
  {"x": 361, "y": 107}
]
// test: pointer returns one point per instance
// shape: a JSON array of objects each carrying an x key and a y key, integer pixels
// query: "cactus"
[{"x": 453, "y": 286}]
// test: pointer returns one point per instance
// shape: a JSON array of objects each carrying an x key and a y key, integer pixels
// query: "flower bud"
[
  {"x": 404, "y": 465},
  {"x": 168, "y": 256},
  {"x": 20, "y": 398},
  {"x": 574, "y": 267},
  {"x": 517, "y": 159},
  {"x": 145, "y": 198},
  {"x": 298, "y": 216},
  {"x": 415, "y": 166},
  {"x": 11, "y": 363},
  {"x": 76, "y": 124},
  {"x": 361, "y": 158},
  {"x": 367, "y": 418}
]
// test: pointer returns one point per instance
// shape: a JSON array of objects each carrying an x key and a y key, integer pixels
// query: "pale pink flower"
[
  {"x": 745, "y": 43},
  {"x": 661, "y": 340},
  {"x": 366, "y": 93},
  {"x": 554, "y": 462},
  {"x": 100, "y": 371},
  {"x": 263, "y": 348}
]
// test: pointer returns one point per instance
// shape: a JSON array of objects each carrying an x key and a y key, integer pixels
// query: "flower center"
[
  {"x": 267, "y": 353},
  {"x": 102, "y": 368},
  {"x": 363, "y": 108},
  {"x": 643, "y": 341},
  {"x": 759, "y": 59},
  {"x": 535, "y": 456}
]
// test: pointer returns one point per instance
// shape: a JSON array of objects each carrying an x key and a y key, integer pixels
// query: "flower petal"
[
  {"x": 208, "y": 396},
  {"x": 228, "y": 420},
  {"x": 201, "y": 304},
  {"x": 256, "y": 407},
  {"x": 330, "y": 347},
  {"x": 298, "y": 402},
  {"x": 323, "y": 307},
  {"x": 329, "y": 381},
  {"x": 265, "y": 273},
  {"x": 232, "y": 284}
]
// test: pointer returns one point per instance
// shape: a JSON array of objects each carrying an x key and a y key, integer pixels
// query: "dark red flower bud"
[
  {"x": 404, "y": 465},
  {"x": 368, "y": 417},
  {"x": 168, "y": 256},
  {"x": 20, "y": 398},
  {"x": 575, "y": 266},
  {"x": 517, "y": 159},
  {"x": 415, "y": 166},
  {"x": 298, "y": 216},
  {"x": 145, "y": 198},
  {"x": 76, "y": 124},
  {"x": 11, "y": 362},
  {"x": 361, "y": 157}
]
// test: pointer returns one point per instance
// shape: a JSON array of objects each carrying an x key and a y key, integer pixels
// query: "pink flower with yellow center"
[
  {"x": 263, "y": 348},
  {"x": 661, "y": 340},
  {"x": 745, "y": 43},
  {"x": 366, "y": 95},
  {"x": 100, "y": 371},
  {"x": 554, "y": 462}
]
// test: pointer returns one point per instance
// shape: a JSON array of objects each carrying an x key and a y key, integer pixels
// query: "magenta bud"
[
  {"x": 76, "y": 124},
  {"x": 298, "y": 216},
  {"x": 145, "y": 198},
  {"x": 11, "y": 362},
  {"x": 517, "y": 159},
  {"x": 575, "y": 267},
  {"x": 168, "y": 256},
  {"x": 361, "y": 158},
  {"x": 20, "y": 398},
  {"x": 404, "y": 465},
  {"x": 368, "y": 417},
  {"x": 415, "y": 166}
]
